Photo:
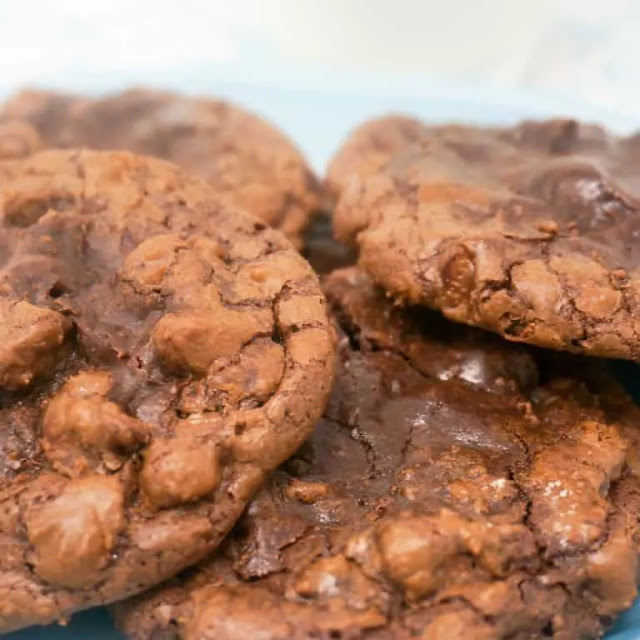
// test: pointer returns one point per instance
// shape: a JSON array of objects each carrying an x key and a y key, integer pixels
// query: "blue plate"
[{"x": 317, "y": 118}]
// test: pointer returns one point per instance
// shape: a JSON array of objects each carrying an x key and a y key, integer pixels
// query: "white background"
[{"x": 439, "y": 57}]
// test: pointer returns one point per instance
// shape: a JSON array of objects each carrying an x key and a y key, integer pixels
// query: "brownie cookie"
[
  {"x": 160, "y": 350},
  {"x": 370, "y": 147},
  {"x": 531, "y": 232},
  {"x": 456, "y": 488},
  {"x": 18, "y": 139},
  {"x": 241, "y": 155}
]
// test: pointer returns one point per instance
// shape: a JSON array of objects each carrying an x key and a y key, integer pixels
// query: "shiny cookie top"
[
  {"x": 457, "y": 486},
  {"x": 531, "y": 232},
  {"x": 159, "y": 352}
]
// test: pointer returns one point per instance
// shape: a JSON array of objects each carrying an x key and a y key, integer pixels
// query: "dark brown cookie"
[
  {"x": 322, "y": 250},
  {"x": 241, "y": 155},
  {"x": 456, "y": 488},
  {"x": 370, "y": 147},
  {"x": 532, "y": 232},
  {"x": 160, "y": 350}
]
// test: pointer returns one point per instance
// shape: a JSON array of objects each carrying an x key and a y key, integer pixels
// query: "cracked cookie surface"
[
  {"x": 456, "y": 487},
  {"x": 160, "y": 351},
  {"x": 241, "y": 155},
  {"x": 531, "y": 232}
]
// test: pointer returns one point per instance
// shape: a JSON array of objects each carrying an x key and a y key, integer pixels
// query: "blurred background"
[{"x": 318, "y": 67}]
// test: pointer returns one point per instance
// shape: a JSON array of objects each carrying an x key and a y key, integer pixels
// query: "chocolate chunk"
[
  {"x": 456, "y": 486},
  {"x": 160, "y": 352}
]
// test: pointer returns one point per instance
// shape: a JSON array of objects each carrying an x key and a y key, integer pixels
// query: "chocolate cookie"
[
  {"x": 370, "y": 147},
  {"x": 456, "y": 487},
  {"x": 18, "y": 139},
  {"x": 531, "y": 232},
  {"x": 241, "y": 155},
  {"x": 160, "y": 350}
]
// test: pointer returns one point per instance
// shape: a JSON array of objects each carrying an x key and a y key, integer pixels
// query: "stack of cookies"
[{"x": 419, "y": 443}]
